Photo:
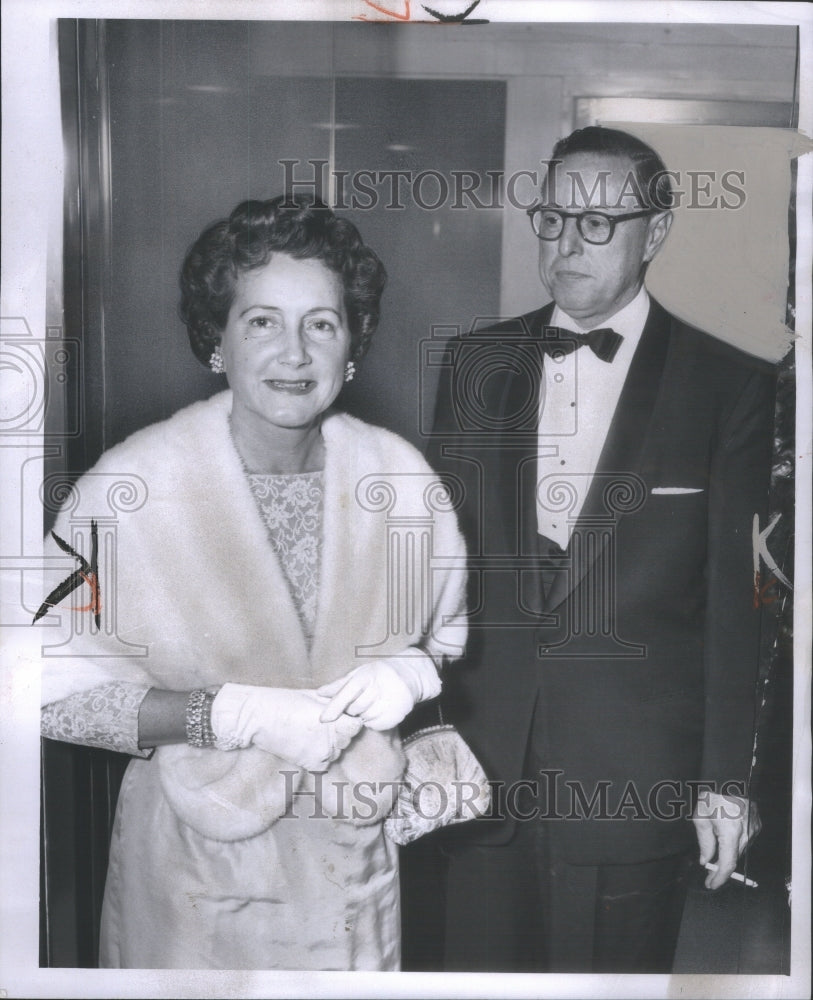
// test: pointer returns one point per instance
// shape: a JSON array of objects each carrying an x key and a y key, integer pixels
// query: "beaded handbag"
[{"x": 443, "y": 784}]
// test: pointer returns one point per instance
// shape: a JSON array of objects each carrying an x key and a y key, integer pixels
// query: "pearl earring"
[
  {"x": 216, "y": 361},
  {"x": 349, "y": 371}
]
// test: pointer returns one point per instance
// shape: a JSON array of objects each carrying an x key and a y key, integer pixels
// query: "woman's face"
[{"x": 286, "y": 343}]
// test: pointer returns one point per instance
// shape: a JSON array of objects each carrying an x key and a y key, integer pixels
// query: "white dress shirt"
[{"x": 578, "y": 397}]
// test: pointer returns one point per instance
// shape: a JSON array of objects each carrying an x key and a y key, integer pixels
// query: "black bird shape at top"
[{"x": 454, "y": 18}]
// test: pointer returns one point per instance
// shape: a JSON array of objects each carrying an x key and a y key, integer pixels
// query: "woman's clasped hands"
[
  {"x": 381, "y": 693},
  {"x": 312, "y": 728},
  {"x": 282, "y": 721}
]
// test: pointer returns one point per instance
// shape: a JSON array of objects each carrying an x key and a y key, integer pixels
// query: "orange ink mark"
[
  {"x": 761, "y": 596},
  {"x": 95, "y": 605},
  {"x": 383, "y": 10}
]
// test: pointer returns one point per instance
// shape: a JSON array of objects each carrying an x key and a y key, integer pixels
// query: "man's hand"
[{"x": 724, "y": 825}]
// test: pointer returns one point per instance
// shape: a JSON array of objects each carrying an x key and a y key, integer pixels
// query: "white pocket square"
[{"x": 673, "y": 490}]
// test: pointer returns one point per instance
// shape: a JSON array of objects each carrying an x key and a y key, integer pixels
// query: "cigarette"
[{"x": 735, "y": 875}]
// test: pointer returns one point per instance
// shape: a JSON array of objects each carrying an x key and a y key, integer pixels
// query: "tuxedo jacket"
[{"x": 625, "y": 667}]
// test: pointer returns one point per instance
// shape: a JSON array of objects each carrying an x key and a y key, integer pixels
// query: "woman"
[{"x": 277, "y": 640}]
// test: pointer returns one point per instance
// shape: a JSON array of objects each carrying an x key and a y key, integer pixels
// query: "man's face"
[{"x": 591, "y": 282}]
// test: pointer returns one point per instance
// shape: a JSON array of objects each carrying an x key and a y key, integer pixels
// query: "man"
[{"x": 609, "y": 484}]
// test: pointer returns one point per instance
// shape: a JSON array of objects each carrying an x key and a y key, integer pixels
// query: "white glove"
[
  {"x": 282, "y": 721},
  {"x": 382, "y": 692}
]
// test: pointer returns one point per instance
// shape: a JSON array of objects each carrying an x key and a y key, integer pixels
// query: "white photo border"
[{"x": 32, "y": 174}]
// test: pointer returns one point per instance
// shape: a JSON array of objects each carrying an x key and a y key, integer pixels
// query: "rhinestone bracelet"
[{"x": 199, "y": 732}]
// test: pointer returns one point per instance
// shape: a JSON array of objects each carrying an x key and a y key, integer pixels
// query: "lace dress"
[
  {"x": 291, "y": 508},
  {"x": 309, "y": 893}
]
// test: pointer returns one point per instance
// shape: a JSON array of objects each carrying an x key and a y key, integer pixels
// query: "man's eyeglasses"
[{"x": 594, "y": 227}]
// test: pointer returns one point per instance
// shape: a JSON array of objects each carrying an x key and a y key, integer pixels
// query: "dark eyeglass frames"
[{"x": 594, "y": 227}]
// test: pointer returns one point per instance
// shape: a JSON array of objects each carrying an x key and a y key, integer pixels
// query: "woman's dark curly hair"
[{"x": 297, "y": 225}]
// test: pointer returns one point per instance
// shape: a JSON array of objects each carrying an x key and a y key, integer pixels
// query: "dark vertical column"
[{"x": 79, "y": 787}]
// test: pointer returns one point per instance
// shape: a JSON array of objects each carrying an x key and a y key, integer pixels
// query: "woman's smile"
[{"x": 297, "y": 387}]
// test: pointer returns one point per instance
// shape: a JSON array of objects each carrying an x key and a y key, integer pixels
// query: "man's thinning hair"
[{"x": 650, "y": 171}]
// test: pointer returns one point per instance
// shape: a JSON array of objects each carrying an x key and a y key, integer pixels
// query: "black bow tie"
[{"x": 604, "y": 343}]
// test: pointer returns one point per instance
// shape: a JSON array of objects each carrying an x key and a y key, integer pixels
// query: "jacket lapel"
[
  {"x": 518, "y": 446},
  {"x": 622, "y": 455}
]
